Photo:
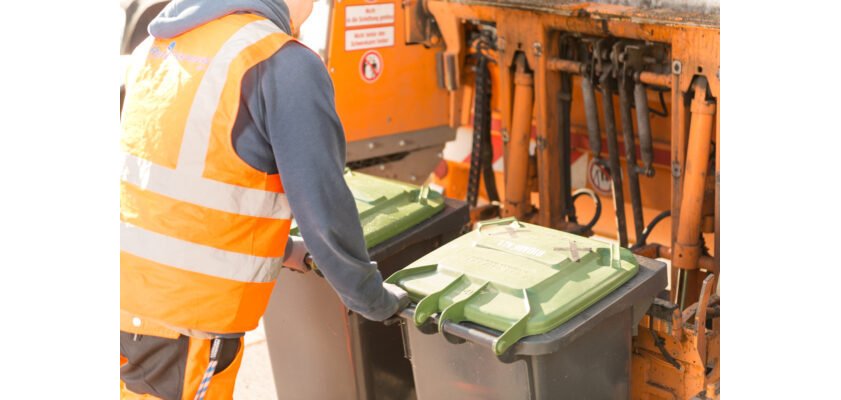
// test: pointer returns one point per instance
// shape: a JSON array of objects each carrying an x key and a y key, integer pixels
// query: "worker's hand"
[
  {"x": 296, "y": 254},
  {"x": 399, "y": 294}
]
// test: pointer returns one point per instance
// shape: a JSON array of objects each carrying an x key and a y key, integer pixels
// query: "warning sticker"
[
  {"x": 599, "y": 177},
  {"x": 371, "y": 66},
  {"x": 371, "y": 38},
  {"x": 375, "y": 14}
]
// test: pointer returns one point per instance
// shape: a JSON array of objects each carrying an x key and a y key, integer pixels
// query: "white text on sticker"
[
  {"x": 371, "y": 38},
  {"x": 375, "y": 14}
]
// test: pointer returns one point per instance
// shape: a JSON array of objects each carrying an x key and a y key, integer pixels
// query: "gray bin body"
[
  {"x": 320, "y": 350},
  {"x": 588, "y": 357}
]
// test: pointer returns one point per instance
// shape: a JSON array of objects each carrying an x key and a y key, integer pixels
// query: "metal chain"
[{"x": 481, "y": 154}]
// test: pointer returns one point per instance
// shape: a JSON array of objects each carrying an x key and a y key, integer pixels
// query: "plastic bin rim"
[{"x": 641, "y": 289}]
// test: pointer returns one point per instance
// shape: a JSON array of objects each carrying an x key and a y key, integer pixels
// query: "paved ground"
[{"x": 255, "y": 380}]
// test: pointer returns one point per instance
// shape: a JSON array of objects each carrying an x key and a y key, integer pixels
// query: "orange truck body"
[{"x": 422, "y": 84}]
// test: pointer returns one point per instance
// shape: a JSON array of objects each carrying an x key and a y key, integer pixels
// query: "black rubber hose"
[
  {"x": 650, "y": 227},
  {"x": 597, "y": 201}
]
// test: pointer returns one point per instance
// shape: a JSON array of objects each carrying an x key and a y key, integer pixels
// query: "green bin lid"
[
  {"x": 518, "y": 278},
  {"x": 388, "y": 207}
]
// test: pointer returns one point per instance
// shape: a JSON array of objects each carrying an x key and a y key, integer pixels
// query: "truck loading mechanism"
[
  {"x": 562, "y": 100},
  {"x": 637, "y": 79}
]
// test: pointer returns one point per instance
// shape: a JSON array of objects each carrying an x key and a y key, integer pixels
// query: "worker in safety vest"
[{"x": 229, "y": 129}]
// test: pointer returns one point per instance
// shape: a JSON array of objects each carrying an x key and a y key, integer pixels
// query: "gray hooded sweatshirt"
[{"x": 287, "y": 123}]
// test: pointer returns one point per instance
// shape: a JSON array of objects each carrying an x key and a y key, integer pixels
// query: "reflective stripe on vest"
[
  {"x": 189, "y": 256},
  {"x": 204, "y": 192},
  {"x": 202, "y": 233}
]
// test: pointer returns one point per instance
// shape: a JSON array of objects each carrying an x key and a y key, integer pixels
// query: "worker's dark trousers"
[{"x": 153, "y": 367}]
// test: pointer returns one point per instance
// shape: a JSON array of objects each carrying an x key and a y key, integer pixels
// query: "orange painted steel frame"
[
  {"x": 405, "y": 97},
  {"x": 682, "y": 182},
  {"x": 676, "y": 350}
]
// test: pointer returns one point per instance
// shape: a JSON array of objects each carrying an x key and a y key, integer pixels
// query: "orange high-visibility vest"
[{"x": 202, "y": 233}]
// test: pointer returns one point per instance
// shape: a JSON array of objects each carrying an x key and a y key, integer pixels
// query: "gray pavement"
[{"x": 255, "y": 380}]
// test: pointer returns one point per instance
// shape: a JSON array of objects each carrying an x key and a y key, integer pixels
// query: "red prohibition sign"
[{"x": 371, "y": 66}]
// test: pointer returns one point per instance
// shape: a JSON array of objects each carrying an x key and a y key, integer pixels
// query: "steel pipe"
[
  {"x": 687, "y": 247},
  {"x": 654, "y": 79},
  {"x": 575, "y": 67},
  {"x": 592, "y": 113},
  {"x": 644, "y": 129},
  {"x": 659, "y": 251},
  {"x": 561, "y": 65},
  {"x": 517, "y": 158},
  {"x": 625, "y": 86},
  {"x": 607, "y": 86}
]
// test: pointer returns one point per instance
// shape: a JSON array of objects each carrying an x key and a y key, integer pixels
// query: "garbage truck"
[{"x": 597, "y": 121}]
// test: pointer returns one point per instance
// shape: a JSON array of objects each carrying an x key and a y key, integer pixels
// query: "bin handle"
[
  {"x": 474, "y": 335},
  {"x": 516, "y": 331},
  {"x": 455, "y": 312}
]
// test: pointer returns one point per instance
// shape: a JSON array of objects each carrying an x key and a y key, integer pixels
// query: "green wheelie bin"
[
  {"x": 320, "y": 350},
  {"x": 518, "y": 311}
]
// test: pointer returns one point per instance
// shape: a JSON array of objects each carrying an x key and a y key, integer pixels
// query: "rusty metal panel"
[{"x": 674, "y": 12}]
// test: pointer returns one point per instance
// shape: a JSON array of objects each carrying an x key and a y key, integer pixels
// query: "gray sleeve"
[{"x": 309, "y": 147}]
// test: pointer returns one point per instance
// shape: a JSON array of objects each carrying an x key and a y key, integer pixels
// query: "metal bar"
[
  {"x": 578, "y": 68},
  {"x": 474, "y": 335},
  {"x": 564, "y": 105},
  {"x": 592, "y": 113},
  {"x": 717, "y": 268},
  {"x": 681, "y": 290},
  {"x": 654, "y": 79},
  {"x": 678, "y": 133},
  {"x": 549, "y": 159},
  {"x": 564, "y": 130},
  {"x": 517, "y": 158},
  {"x": 687, "y": 248},
  {"x": 561, "y": 65},
  {"x": 625, "y": 85},
  {"x": 644, "y": 128},
  {"x": 708, "y": 209},
  {"x": 659, "y": 251},
  {"x": 707, "y": 288},
  {"x": 607, "y": 84}
]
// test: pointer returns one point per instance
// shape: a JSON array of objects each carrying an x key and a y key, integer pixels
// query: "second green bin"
[
  {"x": 319, "y": 350},
  {"x": 527, "y": 312}
]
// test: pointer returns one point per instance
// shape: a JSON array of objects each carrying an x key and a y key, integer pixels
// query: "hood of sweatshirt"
[{"x": 180, "y": 16}]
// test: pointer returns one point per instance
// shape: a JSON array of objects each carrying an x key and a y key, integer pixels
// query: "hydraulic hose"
[
  {"x": 642, "y": 239},
  {"x": 607, "y": 83},
  {"x": 597, "y": 201}
]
